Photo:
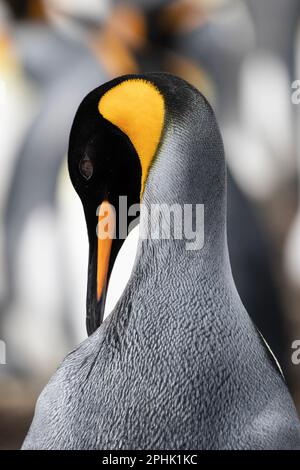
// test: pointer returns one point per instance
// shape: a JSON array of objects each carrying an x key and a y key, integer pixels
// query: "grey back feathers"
[{"x": 178, "y": 364}]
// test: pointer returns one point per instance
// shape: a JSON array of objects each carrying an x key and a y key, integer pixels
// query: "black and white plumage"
[{"x": 178, "y": 363}]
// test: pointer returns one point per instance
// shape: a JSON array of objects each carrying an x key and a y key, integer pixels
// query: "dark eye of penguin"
[{"x": 86, "y": 167}]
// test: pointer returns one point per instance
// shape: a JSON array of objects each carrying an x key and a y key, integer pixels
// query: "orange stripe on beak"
[{"x": 105, "y": 230}]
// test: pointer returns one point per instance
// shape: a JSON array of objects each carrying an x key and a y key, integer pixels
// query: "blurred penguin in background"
[
  {"x": 17, "y": 105},
  {"x": 292, "y": 248},
  {"x": 266, "y": 79},
  {"x": 45, "y": 49},
  {"x": 197, "y": 41}
]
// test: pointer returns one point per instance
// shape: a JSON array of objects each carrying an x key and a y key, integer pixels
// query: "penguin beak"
[
  {"x": 105, "y": 233},
  {"x": 104, "y": 249}
]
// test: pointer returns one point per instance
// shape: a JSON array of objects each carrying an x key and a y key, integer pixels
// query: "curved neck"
[{"x": 187, "y": 182}]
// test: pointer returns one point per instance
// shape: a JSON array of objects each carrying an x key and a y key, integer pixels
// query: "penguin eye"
[{"x": 86, "y": 167}]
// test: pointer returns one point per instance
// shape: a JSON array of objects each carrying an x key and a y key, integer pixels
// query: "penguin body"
[
  {"x": 178, "y": 363},
  {"x": 152, "y": 378}
]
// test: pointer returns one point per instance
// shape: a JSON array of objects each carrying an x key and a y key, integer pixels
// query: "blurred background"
[{"x": 243, "y": 55}]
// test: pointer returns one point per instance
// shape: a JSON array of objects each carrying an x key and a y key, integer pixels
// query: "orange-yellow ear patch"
[{"x": 137, "y": 108}]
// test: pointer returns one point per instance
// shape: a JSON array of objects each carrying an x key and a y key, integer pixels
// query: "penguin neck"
[
  {"x": 166, "y": 262},
  {"x": 186, "y": 186},
  {"x": 189, "y": 234}
]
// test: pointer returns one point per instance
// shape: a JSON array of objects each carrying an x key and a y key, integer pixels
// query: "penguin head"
[{"x": 152, "y": 138}]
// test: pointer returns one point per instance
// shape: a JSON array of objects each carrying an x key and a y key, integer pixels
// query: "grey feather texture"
[{"x": 178, "y": 364}]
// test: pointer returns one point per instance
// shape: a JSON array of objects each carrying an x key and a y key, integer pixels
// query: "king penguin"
[{"x": 178, "y": 364}]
